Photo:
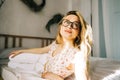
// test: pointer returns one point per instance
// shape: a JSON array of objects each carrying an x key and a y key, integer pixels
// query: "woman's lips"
[{"x": 68, "y": 31}]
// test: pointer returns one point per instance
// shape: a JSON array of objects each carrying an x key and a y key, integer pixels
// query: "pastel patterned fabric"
[{"x": 58, "y": 64}]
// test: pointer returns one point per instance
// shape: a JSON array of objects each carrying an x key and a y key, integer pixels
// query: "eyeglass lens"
[{"x": 73, "y": 25}]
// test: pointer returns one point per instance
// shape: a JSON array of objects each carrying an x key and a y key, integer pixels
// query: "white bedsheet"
[
  {"x": 13, "y": 74},
  {"x": 104, "y": 69},
  {"x": 101, "y": 68}
]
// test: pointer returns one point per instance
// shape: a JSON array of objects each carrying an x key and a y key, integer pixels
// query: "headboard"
[{"x": 17, "y": 40}]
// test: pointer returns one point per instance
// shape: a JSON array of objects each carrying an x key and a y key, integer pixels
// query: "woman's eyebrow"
[{"x": 71, "y": 21}]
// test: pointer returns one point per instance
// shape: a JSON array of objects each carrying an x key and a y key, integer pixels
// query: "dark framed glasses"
[{"x": 73, "y": 25}]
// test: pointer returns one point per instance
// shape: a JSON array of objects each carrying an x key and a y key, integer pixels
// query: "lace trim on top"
[{"x": 58, "y": 64}]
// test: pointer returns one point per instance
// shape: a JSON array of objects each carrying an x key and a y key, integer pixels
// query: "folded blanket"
[
  {"x": 27, "y": 66},
  {"x": 28, "y": 61}
]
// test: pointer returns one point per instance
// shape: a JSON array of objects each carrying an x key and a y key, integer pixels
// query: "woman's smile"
[{"x": 68, "y": 31}]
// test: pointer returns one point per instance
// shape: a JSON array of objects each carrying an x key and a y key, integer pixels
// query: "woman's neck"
[{"x": 68, "y": 43}]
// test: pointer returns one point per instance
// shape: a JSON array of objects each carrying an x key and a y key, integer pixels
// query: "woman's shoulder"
[{"x": 54, "y": 44}]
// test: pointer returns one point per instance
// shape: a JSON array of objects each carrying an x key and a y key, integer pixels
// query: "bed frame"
[{"x": 19, "y": 39}]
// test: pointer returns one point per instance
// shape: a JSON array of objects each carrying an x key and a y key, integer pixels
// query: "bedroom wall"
[
  {"x": 17, "y": 18},
  {"x": 84, "y": 7}
]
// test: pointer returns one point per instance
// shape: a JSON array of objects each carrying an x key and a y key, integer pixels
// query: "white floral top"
[{"x": 58, "y": 64}]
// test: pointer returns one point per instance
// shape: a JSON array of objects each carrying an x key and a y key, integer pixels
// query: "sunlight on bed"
[{"x": 114, "y": 76}]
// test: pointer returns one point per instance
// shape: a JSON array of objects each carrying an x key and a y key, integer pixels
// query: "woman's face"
[{"x": 69, "y": 27}]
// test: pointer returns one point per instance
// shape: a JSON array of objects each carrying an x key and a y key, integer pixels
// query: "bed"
[
  {"x": 100, "y": 68},
  {"x": 9, "y": 43}
]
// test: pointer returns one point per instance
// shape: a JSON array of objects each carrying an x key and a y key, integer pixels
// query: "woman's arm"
[
  {"x": 32, "y": 50},
  {"x": 51, "y": 76}
]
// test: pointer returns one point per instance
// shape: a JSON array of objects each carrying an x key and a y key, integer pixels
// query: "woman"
[{"x": 72, "y": 44}]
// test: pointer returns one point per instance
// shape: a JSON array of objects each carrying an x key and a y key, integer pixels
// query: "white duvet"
[{"x": 28, "y": 66}]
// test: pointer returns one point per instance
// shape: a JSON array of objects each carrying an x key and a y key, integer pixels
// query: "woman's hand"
[
  {"x": 16, "y": 52},
  {"x": 51, "y": 76}
]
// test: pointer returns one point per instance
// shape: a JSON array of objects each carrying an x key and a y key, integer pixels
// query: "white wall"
[
  {"x": 17, "y": 18},
  {"x": 84, "y": 7}
]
